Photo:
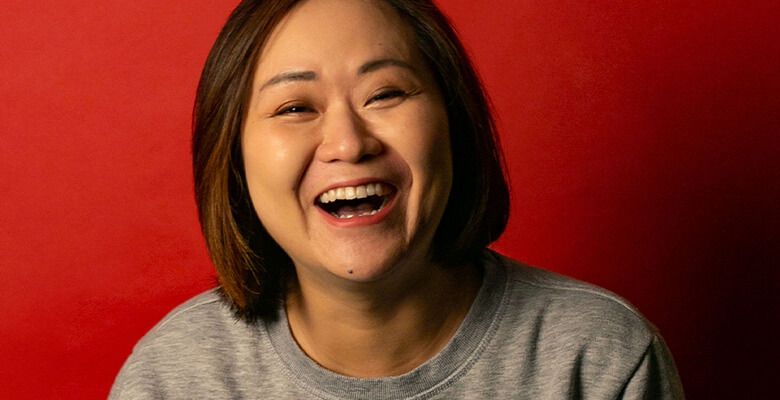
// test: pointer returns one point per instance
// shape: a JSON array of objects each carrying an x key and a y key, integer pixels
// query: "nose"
[{"x": 346, "y": 137}]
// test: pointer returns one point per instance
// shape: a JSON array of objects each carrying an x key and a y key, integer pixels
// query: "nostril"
[
  {"x": 366, "y": 157},
  {"x": 372, "y": 147},
  {"x": 350, "y": 147},
  {"x": 346, "y": 137}
]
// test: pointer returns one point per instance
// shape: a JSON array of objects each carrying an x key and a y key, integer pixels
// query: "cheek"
[
  {"x": 273, "y": 165},
  {"x": 426, "y": 149},
  {"x": 432, "y": 148}
]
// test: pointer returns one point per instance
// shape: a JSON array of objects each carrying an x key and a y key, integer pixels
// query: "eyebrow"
[
  {"x": 384, "y": 63},
  {"x": 290, "y": 77},
  {"x": 370, "y": 66}
]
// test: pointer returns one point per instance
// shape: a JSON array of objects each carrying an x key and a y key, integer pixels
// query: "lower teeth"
[{"x": 365, "y": 214}]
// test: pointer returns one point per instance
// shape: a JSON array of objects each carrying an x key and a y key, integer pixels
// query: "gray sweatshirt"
[{"x": 530, "y": 334}]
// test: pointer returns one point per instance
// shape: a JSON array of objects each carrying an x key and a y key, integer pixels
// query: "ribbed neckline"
[{"x": 438, "y": 373}]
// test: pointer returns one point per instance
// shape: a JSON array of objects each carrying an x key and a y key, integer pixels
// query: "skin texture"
[{"x": 340, "y": 96}]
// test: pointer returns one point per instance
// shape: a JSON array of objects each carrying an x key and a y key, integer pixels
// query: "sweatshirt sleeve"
[{"x": 655, "y": 377}]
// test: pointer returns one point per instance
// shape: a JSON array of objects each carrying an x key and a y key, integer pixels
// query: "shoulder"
[
  {"x": 191, "y": 346},
  {"x": 572, "y": 306},
  {"x": 188, "y": 325},
  {"x": 562, "y": 328}
]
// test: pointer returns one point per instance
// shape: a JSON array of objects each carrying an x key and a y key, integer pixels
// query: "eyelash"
[
  {"x": 387, "y": 95},
  {"x": 382, "y": 96},
  {"x": 295, "y": 109}
]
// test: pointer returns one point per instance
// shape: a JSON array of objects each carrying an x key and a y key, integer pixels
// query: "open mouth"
[{"x": 355, "y": 201}]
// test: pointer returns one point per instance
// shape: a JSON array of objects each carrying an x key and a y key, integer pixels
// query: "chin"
[
  {"x": 373, "y": 267},
  {"x": 366, "y": 270}
]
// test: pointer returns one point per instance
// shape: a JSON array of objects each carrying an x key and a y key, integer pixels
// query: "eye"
[
  {"x": 293, "y": 110},
  {"x": 389, "y": 94}
]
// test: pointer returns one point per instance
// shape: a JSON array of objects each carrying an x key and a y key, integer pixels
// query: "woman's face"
[{"x": 346, "y": 141}]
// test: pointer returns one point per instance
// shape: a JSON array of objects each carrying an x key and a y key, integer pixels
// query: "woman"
[{"x": 348, "y": 180}]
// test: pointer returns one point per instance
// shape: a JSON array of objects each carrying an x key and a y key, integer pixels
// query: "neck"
[{"x": 378, "y": 329}]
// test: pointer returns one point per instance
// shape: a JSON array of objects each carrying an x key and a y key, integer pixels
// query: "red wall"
[{"x": 642, "y": 141}]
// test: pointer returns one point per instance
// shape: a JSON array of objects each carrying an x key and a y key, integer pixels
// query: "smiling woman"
[
  {"x": 357, "y": 106},
  {"x": 348, "y": 179}
]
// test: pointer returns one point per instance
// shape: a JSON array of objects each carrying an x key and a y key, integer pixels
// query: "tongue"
[{"x": 355, "y": 210}]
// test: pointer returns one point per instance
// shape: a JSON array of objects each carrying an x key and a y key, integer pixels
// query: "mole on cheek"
[{"x": 349, "y": 271}]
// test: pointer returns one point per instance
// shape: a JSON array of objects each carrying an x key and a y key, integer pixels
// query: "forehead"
[{"x": 349, "y": 32}]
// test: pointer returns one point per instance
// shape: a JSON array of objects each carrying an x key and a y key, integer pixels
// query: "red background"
[{"x": 641, "y": 137}]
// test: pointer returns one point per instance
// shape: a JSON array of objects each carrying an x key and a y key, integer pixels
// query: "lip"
[{"x": 359, "y": 221}]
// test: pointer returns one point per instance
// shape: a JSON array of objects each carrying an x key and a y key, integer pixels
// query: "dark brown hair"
[{"x": 252, "y": 268}]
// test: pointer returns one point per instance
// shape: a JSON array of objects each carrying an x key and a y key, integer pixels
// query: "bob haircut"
[{"x": 252, "y": 269}]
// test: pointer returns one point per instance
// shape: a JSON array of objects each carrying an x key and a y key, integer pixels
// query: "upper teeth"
[{"x": 353, "y": 192}]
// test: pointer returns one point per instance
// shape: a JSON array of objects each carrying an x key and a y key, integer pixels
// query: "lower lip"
[{"x": 355, "y": 222}]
